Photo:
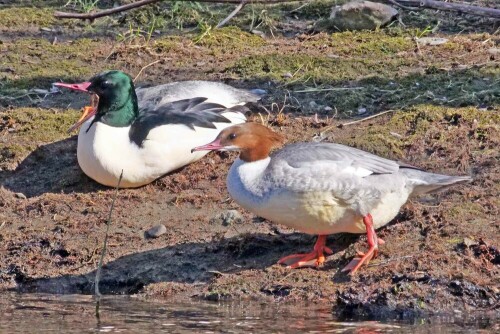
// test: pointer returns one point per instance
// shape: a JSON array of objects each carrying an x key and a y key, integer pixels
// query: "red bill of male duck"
[
  {"x": 320, "y": 188},
  {"x": 149, "y": 132}
]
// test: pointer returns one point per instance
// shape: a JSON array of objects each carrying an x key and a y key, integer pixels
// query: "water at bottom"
[{"x": 37, "y": 313}]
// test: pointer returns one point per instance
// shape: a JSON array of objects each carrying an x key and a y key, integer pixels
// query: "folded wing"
[{"x": 195, "y": 112}]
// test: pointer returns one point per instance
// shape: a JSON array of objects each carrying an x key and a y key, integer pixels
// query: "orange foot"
[
  {"x": 373, "y": 242},
  {"x": 313, "y": 259}
]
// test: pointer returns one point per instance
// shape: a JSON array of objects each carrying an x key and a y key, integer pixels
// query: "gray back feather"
[
  {"x": 298, "y": 154},
  {"x": 153, "y": 97},
  {"x": 334, "y": 168}
]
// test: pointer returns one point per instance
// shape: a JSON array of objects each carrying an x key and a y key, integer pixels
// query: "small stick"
[
  {"x": 216, "y": 272},
  {"x": 354, "y": 122},
  {"x": 106, "y": 12},
  {"x": 454, "y": 7},
  {"x": 233, "y": 13},
  {"x": 144, "y": 67},
  {"x": 366, "y": 118},
  {"x": 395, "y": 3},
  {"x": 314, "y": 90},
  {"x": 99, "y": 265},
  {"x": 390, "y": 260}
]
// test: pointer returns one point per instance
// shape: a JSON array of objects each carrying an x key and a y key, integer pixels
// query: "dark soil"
[{"x": 441, "y": 254}]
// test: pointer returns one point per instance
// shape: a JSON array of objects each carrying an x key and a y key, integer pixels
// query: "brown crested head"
[{"x": 253, "y": 140}]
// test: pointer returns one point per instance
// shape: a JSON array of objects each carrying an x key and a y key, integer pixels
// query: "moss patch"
[
  {"x": 317, "y": 9},
  {"x": 434, "y": 131},
  {"x": 167, "y": 44},
  {"x": 304, "y": 67},
  {"x": 373, "y": 82},
  {"x": 36, "y": 63},
  {"x": 228, "y": 39},
  {"x": 368, "y": 43},
  {"x": 20, "y": 17},
  {"x": 26, "y": 128},
  {"x": 457, "y": 88}
]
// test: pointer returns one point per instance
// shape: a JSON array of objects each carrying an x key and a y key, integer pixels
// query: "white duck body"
[
  {"x": 104, "y": 151},
  {"x": 322, "y": 188}
]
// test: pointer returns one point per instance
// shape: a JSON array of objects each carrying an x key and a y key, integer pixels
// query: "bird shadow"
[
  {"x": 50, "y": 168},
  {"x": 193, "y": 262}
]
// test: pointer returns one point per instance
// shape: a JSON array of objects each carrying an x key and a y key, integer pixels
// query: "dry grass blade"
[
  {"x": 103, "y": 253},
  {"x": 232, "y": 14},
  {"x": 144, "y": 67},
  {"x": 354, "y": 122}
]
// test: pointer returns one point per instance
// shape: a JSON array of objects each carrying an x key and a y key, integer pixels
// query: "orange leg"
[
  {"x": 315, "y": 258},
  {"x": 373, "y": 243}
]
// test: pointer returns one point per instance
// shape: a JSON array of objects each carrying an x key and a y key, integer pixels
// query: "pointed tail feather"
[{"x": 425, "y": 182}]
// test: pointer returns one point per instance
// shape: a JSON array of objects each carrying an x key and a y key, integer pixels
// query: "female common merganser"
[
  {"x": 320, "y": 188},
  {"x": 150, "y": 132}
]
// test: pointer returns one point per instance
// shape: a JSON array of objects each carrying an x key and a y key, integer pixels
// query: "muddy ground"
[{"x": 441, "y": 252}]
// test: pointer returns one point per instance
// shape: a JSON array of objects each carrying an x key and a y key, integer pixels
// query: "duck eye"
[
  {"x": 106, "y": 84},
  {"x": 232, "y": 136}
]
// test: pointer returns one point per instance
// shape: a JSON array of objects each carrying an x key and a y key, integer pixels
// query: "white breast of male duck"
[{"x": 104, "y": 151}]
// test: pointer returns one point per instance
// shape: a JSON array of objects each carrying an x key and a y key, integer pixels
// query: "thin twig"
[
  {"x": 433, "y": 4},
  {"x": 92, "y": 16},
  {"x": 395, "y": 3},
  {"x": 144, "y": 67},
  {"x": 233, "y": 13},
  {"x": 216, "y": 272},
  {"x": 111, "y": 11},
  {"x": 103, "y": 253},
  {"x": 333, "y": 89},
  {"x": 353, "y": 122},
  {"x": 390, "y": 260},
  {"x": 365, "y": 119},
  {"x": 300, "y": 7},
  {"x": 453, "y": 7}
]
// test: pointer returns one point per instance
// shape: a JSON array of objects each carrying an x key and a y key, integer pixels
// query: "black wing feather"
[{"x": 189, "y": 112}]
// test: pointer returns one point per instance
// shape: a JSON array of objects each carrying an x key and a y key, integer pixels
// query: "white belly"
[
  {"x": 104, "y": 151},
  {"x": 319, "y": 212},
  {"x": 314, "y": 212}
]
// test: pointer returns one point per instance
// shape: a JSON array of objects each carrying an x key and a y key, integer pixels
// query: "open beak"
[
  {"x": 81, "y": 87},
  {"x": 88, "y": 112},
  {"x": 215, "y": 145}
]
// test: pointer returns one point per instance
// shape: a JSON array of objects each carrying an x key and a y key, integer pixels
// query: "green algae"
[
  {"x": 228, "y": 39},
  {"x": 316, "y": 9},
  {"x": 368, "y": 43},
  {"x": 305, "y": 67},
  {"x": 373, "y": 82},
  {"x": 424, "y": 124},
  {"x": 36, "y": 63},
  {"x": 167, "y": 44},
  {"x": 29, "y": 127},
  {"x": 22, "y": 16}
]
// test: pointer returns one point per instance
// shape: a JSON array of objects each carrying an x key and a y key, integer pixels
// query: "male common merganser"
[
  {"x": 320, "y": 188},
  {"x": 150, "y": 132}
]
